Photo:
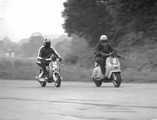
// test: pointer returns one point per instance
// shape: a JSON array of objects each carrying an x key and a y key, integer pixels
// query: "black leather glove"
[{"x": 60, "y": 59}]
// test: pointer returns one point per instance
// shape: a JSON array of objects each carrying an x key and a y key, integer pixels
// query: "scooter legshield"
[{"x": 110, "y": 68}]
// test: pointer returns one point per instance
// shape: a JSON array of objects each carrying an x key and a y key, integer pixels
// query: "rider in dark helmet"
[
  {"x": 103, "y": 48},
  {"x": 44, "y": 53}
]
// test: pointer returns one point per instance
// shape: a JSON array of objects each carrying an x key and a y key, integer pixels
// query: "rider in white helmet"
[{"x": 103, "y": 48}]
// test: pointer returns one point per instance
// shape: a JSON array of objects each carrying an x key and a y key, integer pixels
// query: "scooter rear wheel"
[
  {"x": 43, "y": 83},
  {"x": 97, "y": 83}
]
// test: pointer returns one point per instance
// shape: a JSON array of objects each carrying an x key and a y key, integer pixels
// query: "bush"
[
  {"x": 71, "y": 59},
  {"x": 17, "y": 68}
]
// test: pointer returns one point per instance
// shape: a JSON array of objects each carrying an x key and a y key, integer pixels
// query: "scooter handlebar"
[{"x": 107, "y": 54}]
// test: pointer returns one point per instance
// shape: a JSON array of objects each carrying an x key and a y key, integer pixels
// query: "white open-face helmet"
[{"x": 103, "y": 38}]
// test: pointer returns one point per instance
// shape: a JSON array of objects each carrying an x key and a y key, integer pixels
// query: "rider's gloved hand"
[{"x": 60, "y": 59}]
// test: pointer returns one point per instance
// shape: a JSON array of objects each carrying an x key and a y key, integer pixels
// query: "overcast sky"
[{"x": 20, "y": 18}]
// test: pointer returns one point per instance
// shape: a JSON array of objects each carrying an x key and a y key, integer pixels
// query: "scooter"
[
  {"x": 52, "y": 74},
  {"x": 113, "y": 72}
]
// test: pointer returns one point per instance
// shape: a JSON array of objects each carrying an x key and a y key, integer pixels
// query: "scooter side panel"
[{"x": 97, "y": 73}]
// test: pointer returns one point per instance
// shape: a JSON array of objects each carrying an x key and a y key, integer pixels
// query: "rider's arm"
[
  {"x": 110, "y": 48},
  {"x": 56, "y": 54},
  {"x": 114, "y": 51},
  {"x": 98, "y": 49},
  {"x": 40, "y": 53}
]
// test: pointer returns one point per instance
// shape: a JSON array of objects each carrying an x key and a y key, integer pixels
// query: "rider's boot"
[
  {"x": 45, "y": 75},
  {"x": 103, "y": 69}
]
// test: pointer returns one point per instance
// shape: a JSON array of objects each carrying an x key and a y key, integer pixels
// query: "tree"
[
  {"x": 90, "y": 18},
  {"x": 6, "y": 44},
  {"x": 30, "y": 48},
  {"x": 142, "y": 12},
  {"x": 87, "y": 18}
]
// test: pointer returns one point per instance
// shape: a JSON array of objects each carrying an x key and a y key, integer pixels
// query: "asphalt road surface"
[{"x": 26, "y": 100}]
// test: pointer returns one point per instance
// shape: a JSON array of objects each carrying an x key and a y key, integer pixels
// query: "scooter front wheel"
[
  {"x": 116, "y": 79},
  {"x": 58, "y": 80}
]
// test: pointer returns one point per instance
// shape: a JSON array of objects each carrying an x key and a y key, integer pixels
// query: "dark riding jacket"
[
  {"x": 46, "y": 52},
  {"x": 103, "y": 48}
]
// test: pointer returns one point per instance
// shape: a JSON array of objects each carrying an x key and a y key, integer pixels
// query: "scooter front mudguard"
[{"x": 113, "y": 71}]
